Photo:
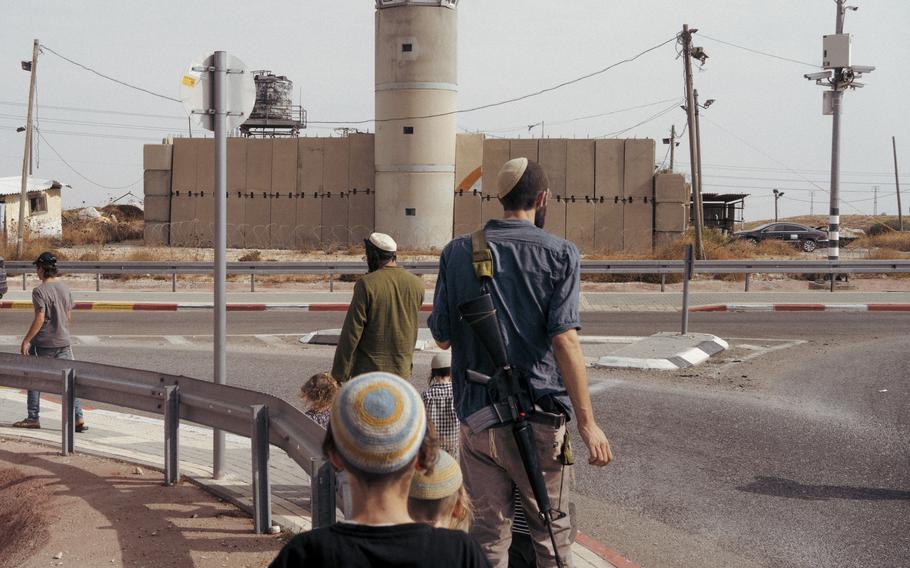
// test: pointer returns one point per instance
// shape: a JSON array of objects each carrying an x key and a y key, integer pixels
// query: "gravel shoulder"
[{"x": 105, "y": 513}]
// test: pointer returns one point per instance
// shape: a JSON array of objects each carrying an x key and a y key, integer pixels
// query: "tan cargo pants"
[{"x": 490, "y": 463}]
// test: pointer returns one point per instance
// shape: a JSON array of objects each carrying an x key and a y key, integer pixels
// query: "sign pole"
[{"x": 219, "y": 84}]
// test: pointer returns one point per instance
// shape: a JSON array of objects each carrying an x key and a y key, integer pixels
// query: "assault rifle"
[{"x": 509, "y": 391}]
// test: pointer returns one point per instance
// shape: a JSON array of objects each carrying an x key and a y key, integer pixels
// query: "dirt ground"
[{"x": 83, "y": 511}]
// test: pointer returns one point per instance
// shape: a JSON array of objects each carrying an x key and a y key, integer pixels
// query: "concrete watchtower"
[{"x": 416, "y": 82}]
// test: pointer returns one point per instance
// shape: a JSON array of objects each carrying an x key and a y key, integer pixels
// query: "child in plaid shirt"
[{"x": 439, "y": 401}]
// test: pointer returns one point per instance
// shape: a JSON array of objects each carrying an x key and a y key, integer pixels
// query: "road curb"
[
  {"x": 758, "y": 307},
  {"x": 191, "y": 306},
  {"x": 674, "y": 358},
  {"x": 608, "y": 554}
]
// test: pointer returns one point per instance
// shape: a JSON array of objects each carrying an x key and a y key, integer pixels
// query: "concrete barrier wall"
[
  {"x": 156, "y": 183},
  {"x": 315, "y": 192},
  {"x": 281, "y": 193},
  {"x": 671, "y": 208}
]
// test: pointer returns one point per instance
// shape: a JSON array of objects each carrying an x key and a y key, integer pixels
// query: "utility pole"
[
  {"x": 875, "y": 201},
  {"x": 686, "y": 39},
  {"x": 811, "y": 203},
  {"x": 672, "y": 145},
  {"x": 27, "y": 154},
  {"x": 777, "y": 195},
  {"x": 840, "y": 74},
  {"x": 897, "y": 186}
]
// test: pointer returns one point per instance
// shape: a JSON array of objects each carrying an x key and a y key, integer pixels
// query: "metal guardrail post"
[
  {"x": 68, "y": 422},
  {"x": 687, "y": 274},
  {"x": 322, "y": 493},
  {"x": 748, "y": 277},
  {"x": 833, "y": 280},
  {"x": 252, "y": 282},
  {"x": 331, "y": 282},
  {"x": 663, "y": 281},
  {"x": 262, "y": 498},
  {"x": 174, "y": 282},
  {"x": 23, "y": 280},
  {"x": 171, "y": 435},
  {"x": 97, "y": 282}
]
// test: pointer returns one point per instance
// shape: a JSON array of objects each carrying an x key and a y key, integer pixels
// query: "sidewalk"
[
  {"x": 140, "y": 440},
  {"x": 337, "y": 301}
]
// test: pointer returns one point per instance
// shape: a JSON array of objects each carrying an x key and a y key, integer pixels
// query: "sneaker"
[
  {"x": 80, "y": 426},
  {"x": 30, "y": 423}
]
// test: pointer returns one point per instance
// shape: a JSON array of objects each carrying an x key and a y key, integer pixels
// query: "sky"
[{"x": 765, "y": 130}]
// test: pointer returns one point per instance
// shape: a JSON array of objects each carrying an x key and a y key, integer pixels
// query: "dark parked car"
[
  {"x": 3, "y": 288},
  {"x": 806, "y": 238}
]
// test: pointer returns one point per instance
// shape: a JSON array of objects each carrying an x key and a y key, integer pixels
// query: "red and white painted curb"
[
  {"x": 190, "y": 306},
  {"x": 802, "y": 308}
]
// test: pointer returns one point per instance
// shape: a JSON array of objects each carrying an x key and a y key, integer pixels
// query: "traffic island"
[{"x": 667, "y": 351}]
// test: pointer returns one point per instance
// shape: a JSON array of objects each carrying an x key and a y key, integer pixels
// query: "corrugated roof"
[{"x": 13, "y": 184}]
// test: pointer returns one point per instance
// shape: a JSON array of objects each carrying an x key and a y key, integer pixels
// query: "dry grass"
[
  {"x": 31, "y": 248},
  {"x": 717, "y": 247},
  {"x": 893, "y": 241}
]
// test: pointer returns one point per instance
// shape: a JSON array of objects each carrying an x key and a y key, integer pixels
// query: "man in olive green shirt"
[{"x": 380, "y": 328}]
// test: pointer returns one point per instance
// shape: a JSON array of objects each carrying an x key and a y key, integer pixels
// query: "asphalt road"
[{"x": 791, "y": 449}]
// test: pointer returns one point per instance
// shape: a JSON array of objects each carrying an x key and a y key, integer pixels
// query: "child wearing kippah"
[
  {"x": 378, "y": 434},
  {"x": 438, "y": 498},
  {"x": 318, "y": 393}
]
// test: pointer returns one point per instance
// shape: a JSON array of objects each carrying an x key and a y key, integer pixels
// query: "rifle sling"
[{"x": 481, "y": 256}]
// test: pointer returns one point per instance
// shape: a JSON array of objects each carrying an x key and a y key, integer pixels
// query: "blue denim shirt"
[{"x": 535, "y": 291}]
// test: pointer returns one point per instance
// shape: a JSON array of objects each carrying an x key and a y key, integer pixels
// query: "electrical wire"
[
  {"x": 75, "y": 171},
  {"x": 645, "y": 121},
  {"x": 576, "y": 119},
  {"x": 756, "y": 51},
  {"x": 108, "y": 77},
  {"x": 96, "y": 110},
  {"x": 505, "y": 101}
]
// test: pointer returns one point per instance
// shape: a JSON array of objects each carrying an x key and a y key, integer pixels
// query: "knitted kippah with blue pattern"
[
  {"x": 378, "y": 422},
  {"x": 444, "y": 481}
]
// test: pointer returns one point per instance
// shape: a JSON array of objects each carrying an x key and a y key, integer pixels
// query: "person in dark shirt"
[{"x": 379, "y": 435}]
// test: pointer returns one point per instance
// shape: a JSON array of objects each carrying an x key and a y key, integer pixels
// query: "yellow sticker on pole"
[{"x": 189, "y": 81}]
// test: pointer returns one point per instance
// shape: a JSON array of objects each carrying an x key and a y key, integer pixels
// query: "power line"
[
  {"x": 506, "y": 101},
  {"x": 99, "y": 124},
  {"x": 75, "y": 171},
  {"x": 645, "y": 121},
  {"x": 108, "y": 77},
  {"x": 765, "y": 53},
  {"x": 759, "y": 169},
  {"x": 782, "y": 179},
  {"x": 576, "y": 119},
  {"x": 96, "y": 110}
]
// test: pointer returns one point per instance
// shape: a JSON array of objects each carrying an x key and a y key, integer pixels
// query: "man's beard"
[{"x": 540, "y": 217}]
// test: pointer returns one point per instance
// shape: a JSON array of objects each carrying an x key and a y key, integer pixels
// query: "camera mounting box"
[{"x": 837, "y": 50}]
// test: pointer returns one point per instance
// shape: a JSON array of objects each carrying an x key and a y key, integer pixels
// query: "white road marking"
[{"x": 177, "y": 340}]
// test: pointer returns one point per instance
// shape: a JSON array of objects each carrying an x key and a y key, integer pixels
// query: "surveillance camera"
[
  {"x": 863, "y": 68},
  {"x": 817, "y": 76}
]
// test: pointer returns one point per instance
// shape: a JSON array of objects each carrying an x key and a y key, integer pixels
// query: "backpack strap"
[{"x": 481, "y": 256}]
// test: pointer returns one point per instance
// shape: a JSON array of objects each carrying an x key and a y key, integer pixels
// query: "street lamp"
[
  {"x": 540, "y": 124},
  {"x": 777, "y": 196}
]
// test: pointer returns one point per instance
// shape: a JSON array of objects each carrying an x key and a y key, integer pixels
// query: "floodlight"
[
  {"x": 818, "y": 76},
  {"x": 709, "y": 102},
  {"x": 863, "y": 68}
]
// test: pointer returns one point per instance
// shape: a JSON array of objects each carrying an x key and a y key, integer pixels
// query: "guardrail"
[
  {"x": 661, "y": 267},
  {"x": 263, "y": 418}
]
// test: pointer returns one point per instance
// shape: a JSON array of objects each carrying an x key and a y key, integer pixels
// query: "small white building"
[{"x": 44, "y": 212}]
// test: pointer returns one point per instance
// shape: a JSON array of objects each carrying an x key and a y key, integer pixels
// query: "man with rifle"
[{"x": 507, "y": 303}]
